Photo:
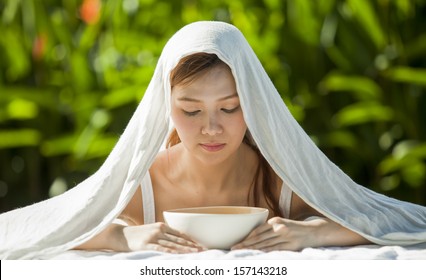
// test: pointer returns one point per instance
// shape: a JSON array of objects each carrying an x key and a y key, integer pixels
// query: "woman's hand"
[
  {"x": 279, "y": 234},
  {"x": 158, "y": 237},
  {"x": 121, "y": 237},
  {"x": 284, "y": 234}
]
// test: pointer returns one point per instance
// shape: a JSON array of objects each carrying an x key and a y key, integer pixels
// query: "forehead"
[{"x": 216, "y": 82}]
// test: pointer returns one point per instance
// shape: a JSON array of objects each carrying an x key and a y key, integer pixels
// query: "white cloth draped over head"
[{"x": 63, "y": 222}]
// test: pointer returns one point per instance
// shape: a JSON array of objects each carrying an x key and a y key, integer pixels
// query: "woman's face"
[{"x": 208, "y": 116}]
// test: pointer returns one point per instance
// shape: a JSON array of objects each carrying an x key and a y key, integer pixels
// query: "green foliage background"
[{"x": 353, "y": 73}]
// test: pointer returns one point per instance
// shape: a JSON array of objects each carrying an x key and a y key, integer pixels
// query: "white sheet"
[{"x": 364, "y": 252}]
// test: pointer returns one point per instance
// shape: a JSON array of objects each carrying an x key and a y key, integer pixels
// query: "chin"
[{"x": 213, "y": 158}]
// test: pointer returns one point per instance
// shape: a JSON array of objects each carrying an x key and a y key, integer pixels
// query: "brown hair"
[{"x": 189, "y": 69}]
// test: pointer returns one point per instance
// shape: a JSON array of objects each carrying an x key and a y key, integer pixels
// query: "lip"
[{"x": 212, "y": 147}]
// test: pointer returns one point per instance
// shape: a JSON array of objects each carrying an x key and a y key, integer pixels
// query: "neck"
[{"x": 215, "y": 177}]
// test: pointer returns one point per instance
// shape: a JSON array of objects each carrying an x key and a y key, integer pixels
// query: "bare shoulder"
[
  {"x": 163, "y": 159},
  {"x": 133, "y": 213}
]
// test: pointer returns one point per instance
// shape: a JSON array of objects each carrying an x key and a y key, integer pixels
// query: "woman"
[
  {"x": 231, "y": 123},
  {"x": 211, "y": 161}
]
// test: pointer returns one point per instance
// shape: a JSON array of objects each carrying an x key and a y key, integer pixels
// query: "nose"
[{"x": 212, "y": 126}]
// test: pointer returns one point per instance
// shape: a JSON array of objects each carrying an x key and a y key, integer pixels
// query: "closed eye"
[
  {"x": 191, "y": 114},
  {"x": 229, "y": 111}
]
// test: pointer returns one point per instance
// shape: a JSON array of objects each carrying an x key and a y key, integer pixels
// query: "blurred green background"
[{"x": 353, "y": 73}]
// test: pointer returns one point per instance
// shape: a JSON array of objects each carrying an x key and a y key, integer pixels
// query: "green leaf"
[
  {"x": 405, "y": 154},
  {"x": 390, "y": 182},
  {"x": 406, "y": 8},
  {"x": 10, "y": 9},
  {"x": 296, "y": 111},
  {"x": 18, "y": 62},
  {"x": 61, "y": 145},
  {"x": 362, "y": 87},
  {"x": 404, "y": 148},
  {"x": 363, "y": 11},
  {"x": 406, "y": 75},
  {"x": 415, "y": 174},
  {"x": 363, "y": 112},
  {"x": 309, "y": 28},
  {"x": 120, "y": 97},
  {"x": 416, "y": 48},
  {"x": 41, "y": 97},
  {"x": 101, "y": 146},
  {"x": 391, "y": 164},
  {"x": 81, "y": 75},
  {"x": 342, "y": 139},
  {"x": 22, "y": 109},
  {"x": 19, "y": 138}
]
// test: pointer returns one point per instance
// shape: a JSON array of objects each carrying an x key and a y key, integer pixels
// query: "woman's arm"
[
  {"x": 157, "y": 236},
  {"x": 284, "y": 234},
  {"x": 112, "y": 238},
  {"x": 128, "y": 233},
  {"x": 330, "y": 233},
  {"x": 305, "y": 228}
]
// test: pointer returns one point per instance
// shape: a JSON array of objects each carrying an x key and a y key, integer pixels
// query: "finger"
[
  {"x": 177, "y": 243},
  {"x": 167, "y": 231},
  {"x": 160, "y": 248},
  {"x": 253, "y": 240},
  {"x": 181, "y": 241},
  {"x": 259, "y": 230},
  {"x": 178, "y": 247},
  {"x": 271, "y": 223},
  {"x": 263, "y": 244},
  {"x": 178, "y": 237},
  {"x": 276, "y": 247},
  {"x": 272, "y": 229},
  {"x": 173, "y": 232},
  {"x": 289, "y": 246},
  {"x": 272, "y": 244}
]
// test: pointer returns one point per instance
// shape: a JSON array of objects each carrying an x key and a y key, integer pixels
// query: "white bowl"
[{"x": 216, "y": 227}]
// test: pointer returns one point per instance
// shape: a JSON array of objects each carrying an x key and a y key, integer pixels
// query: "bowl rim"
[{"x": 258, "y": 210}]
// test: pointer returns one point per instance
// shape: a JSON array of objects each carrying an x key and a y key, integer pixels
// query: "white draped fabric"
[{"x": 58, "y": 224}]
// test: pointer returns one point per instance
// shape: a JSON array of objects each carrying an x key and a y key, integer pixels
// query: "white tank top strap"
[
  {"x": 148, "y": 200},
  {"x": 285, "y": 200}
]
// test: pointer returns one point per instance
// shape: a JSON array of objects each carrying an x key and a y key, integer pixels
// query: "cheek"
[
  {"x": 239, "y": 125},
  {"x": 236, "y": 126},
  {"x": 183, "y": 124}
]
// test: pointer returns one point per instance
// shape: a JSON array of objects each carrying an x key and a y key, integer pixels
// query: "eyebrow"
[{"x": 189, "y": 99}]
